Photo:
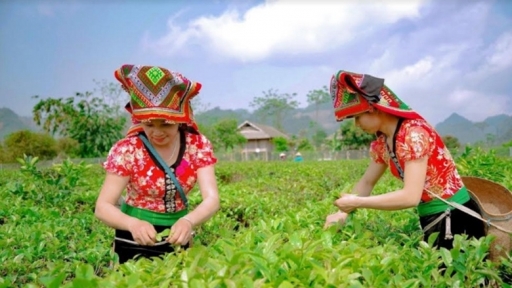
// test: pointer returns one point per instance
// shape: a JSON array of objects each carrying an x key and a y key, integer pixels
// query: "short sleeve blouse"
[
  {"x": 148, "y": 187},
  {"x": 414, "y": 140}
]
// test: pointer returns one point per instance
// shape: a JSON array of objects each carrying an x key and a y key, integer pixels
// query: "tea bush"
[{"x": 268, "y": 232}]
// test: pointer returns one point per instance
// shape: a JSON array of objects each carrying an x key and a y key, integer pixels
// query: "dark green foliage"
[
  {"x": 281, "y": 144},
  {"x": 95, "y": 125},
  {"x": 353, "y": 137},
  {"x": 26, "y": 142},
  {"x": 225, "y": 135}
]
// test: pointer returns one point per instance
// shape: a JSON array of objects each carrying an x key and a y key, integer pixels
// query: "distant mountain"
[
  {"x": 217, "y": 113},
  {"x": 294, "y": 122},
  {"x": 11, "y": 122},
  {"x": 495, "y": 129}
]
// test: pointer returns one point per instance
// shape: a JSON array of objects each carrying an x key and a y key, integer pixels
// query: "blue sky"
[{"x": 440, "y": 57}]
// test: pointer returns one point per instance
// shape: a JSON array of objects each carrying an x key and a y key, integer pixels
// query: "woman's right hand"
[
  {"x": 335, "y": 218},
  {"x": 142, "y": 232}
]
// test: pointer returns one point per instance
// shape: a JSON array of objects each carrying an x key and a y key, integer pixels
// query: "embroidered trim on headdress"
[
  {"x": 354, "y": 93},
  {"x": 157, "y": 93}
]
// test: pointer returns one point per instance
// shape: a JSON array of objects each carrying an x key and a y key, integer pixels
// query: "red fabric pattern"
[
  {"x": 145, "y": 189},
  {"x": 417, "y": 139}
]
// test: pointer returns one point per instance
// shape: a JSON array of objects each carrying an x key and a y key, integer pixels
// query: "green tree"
[
  {"x": 304, "y": 145},
  {"x": 26, "y": 142},
  {"x": 353, "y": 137},
  {"x": 509, "y": 146},
  {"x": 335, "y": 141},
  {"x": 68, "y": 146},
  {"x": 226, "y": 135},
  {"x": 293, "y": 142},
  {"x": 319, "y": 135},
  {"x": 490, "y": 139},
  {"x": 95, "y": 125},
  {"x": 318, "y": 97},
  {"x": 207, "y": 131},
  {"x": 3, "y": 153},
  {"x": 451, "y": 142},
  {"x": 274, "y": 105},
  {"x": 281, "y": 144}
]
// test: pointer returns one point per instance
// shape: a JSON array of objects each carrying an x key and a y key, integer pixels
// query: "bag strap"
[
  {"x": 470, "y": 212},
  {"x": 166, "y": 168},
  {"x": 392, "y": 154}
]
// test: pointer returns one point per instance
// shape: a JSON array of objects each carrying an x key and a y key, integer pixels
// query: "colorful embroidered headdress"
[
  {"x": 157, "y": 93},
  {"x": 354, "y": 93}
]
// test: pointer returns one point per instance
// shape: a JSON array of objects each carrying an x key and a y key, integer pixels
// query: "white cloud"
[
  {"x": 436, "y": 87},
  {"x": 428, "y": 83},
  {"x": 415, "y": 84},
  {"x": 501, "y": 54},
  {"x": 477, "y": 105},
  {"x": 412, "y": 74},
  {"x": 494, "y": 58},
  {"x": 427, "y": 74},
  {"x": 430, "y": 62},
  {"x": 283, "y": 27}
]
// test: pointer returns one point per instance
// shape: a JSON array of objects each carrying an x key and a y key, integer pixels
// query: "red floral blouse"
[
  {"x": 416, "y": 139},
  {"x": 149, "y": 187}
]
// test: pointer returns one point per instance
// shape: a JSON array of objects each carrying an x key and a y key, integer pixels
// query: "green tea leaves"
[{"x": 162, "y": 234}]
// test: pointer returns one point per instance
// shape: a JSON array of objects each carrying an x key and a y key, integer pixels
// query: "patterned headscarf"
[
  {"x": 354, "y": 93},
  {"x": 157, "y": 93}
]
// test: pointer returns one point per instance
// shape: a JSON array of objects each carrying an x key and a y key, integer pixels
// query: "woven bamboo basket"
[{"x": 495, "y": 202}]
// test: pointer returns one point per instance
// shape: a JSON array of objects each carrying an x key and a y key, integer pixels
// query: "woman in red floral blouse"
[
  {"x": 415, "y": 153},
  {"x": 159, "y": 161}
]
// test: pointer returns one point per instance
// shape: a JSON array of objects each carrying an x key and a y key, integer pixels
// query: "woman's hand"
[
  {"x": 336, "y": 218},
  {"x": 347, "y": 203},
  {"x": 142, "y": 232},
  {"x": 181, "y": 232}
]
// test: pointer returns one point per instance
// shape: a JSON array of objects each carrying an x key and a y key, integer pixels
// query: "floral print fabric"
[
  {"x": 414, "y": 140},
  {"x": 146, "y": 187}
]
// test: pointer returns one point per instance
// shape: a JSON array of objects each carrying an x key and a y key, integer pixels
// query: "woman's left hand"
[
  {"x": 181, "y": 232},
  {"x": 347, "y": 203}
]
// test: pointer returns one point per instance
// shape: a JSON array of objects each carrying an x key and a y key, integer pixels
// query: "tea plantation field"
[{"x": 268, "y": 233}]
